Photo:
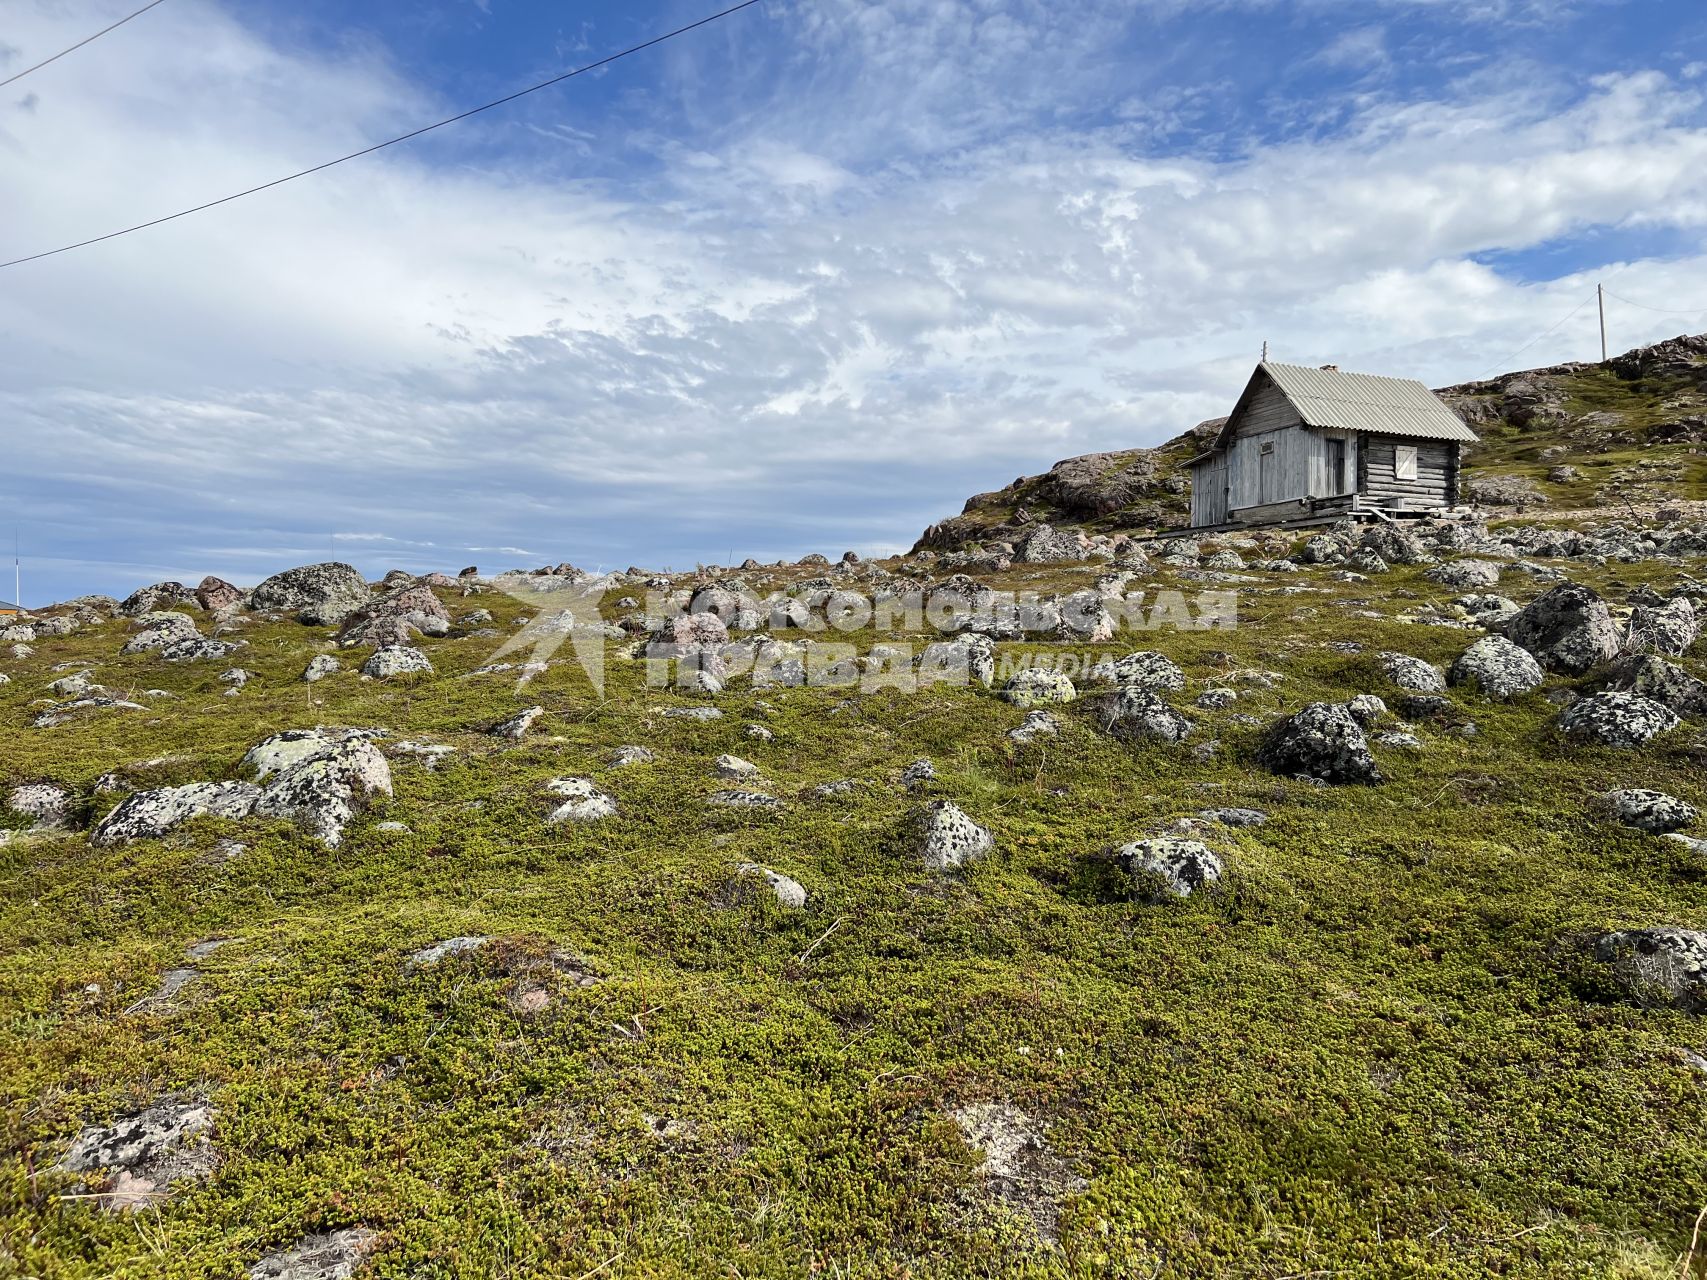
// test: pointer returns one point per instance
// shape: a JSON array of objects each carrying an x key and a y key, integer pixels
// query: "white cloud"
[{"x": 788, "y": 333}]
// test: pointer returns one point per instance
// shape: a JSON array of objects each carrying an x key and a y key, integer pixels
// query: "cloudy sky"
[{"x": 802, "y": 280}]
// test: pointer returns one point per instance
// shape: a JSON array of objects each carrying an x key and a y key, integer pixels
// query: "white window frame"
[{"x": 1404, "y": 462}]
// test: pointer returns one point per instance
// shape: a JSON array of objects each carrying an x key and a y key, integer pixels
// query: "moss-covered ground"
[{"x": 1373, "y": 1051}]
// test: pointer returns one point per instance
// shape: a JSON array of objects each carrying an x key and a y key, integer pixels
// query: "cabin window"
[
  {"x": 1336, "y": 467},
  {"x": 1405, "y": 462}
]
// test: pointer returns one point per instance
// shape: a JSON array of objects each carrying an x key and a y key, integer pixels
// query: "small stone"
[
  {"x": 624, "y": 756},
  {"x": 1037, "y": 724},
  {"x": 426, "y": 957},
  {"x": 1650, "y": 811},
  {"x": 583, "y": 802},
  {"x": 1366, "y": 709},
  {"x": 1658, "y": 966},
  {"x": 1412, "y": 673},
  {"x": 1037, "y": 686},
  {"x": 789, "y": 893},
  {"x": 918, "y": 774},
  {"x": 946, "y": 839},
  {"x": 515, "y": 728},
  {"x": 396, "y": 660},
  {"x": 1616, "y": 719},
  {"x": 320, "y": 667},
  {"x": 731, "y": 798},
  {"x": 1323, "y": 742},
  {"x": 1231, "y": 817},
  {"x": 729, "y": 766},
  {"x": 1168, "y": 867},
  {"x": 332, "y": 1255}
]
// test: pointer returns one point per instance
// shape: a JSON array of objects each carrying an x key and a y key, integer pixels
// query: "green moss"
[{"x": 1369, "y": 1052}]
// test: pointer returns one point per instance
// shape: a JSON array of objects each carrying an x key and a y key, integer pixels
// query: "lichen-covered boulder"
[
  {"x": 395, "y": 619},
  {"x": 396, "y": 660},
  {"x": 1324, "y": 742},
  {"x": 582, "y": 801},
  {"x": 216, "y": 595},
  {"x": 1037, "y": 724},
  {"x": 45, "y": 804},
  {"x": 1144, "y": 669},
  {"x": 319, "y": 667},
  {"x": 1045, "y": 545},
  {"x": 320, "y": 595},
  {"x": 1670, "y": 629},
  {"x": 1658, "y": 966},
  {"x": 1395, "y": 545},
  {"x": 162, "y": 595},
  {"x": 1616, "y": 719},
  {"x": 1412, "y": 673},
  {"x": 1137, "y": 715},
  {"x": 1039, "y": 686},
  {"x": 1569, "y": 629},
  {"x": 1497, "y": 667},
  {"x": 1652, "y": 811},
  {"x": 944, "y": 838},
  {"x": 160, "y": 629},
  {"x": 319, "y": 779},
  {"x": 148, "y": 815},
  {"x": 965, "y": 660},
  {"x": 1465, "y": 575},
  {"x": 1665, "y": 682},
  {"x": 1168, "y": 867},
  {"x": 146, "y": 1154}
]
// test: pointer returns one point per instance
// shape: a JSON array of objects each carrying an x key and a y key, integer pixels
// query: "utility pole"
[
  {"x": 17, "y": 571},
  {"x": 1600, "y": 297}
]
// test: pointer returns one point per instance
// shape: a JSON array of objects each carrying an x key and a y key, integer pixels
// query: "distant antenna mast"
[
  {"x": 17, "y": 571},
  {"x": 1265, "y": 350},
  {"x": 1600, "y": 297}
]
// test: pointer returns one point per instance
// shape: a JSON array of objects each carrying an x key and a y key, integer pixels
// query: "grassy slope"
[
  {"x": 1610, "y": 455},
  {"x": 1366, "y": 1056}
]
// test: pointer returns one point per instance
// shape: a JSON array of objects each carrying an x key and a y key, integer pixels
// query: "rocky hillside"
[
  {"x": 1630, "y": 433},
  {"x": 1277, "y": 907}
]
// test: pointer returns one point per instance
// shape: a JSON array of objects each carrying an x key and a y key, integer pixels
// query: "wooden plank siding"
[
  {"x": 1209, "y": 491},
  {"x": 1437, "y": 473}
]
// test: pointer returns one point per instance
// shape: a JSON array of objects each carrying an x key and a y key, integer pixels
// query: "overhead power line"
[
  {"x": 1695, "y": 311},
  {"x": 1571, "y": 315},
  {"x": 73, "y": 49},
  {"x": 389, "y": 142}
]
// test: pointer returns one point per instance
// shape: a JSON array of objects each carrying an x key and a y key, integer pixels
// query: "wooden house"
[{"x": 1305, "y": 442}]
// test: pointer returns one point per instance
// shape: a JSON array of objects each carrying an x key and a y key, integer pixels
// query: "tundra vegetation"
[{"x": 1321, "y": 945}]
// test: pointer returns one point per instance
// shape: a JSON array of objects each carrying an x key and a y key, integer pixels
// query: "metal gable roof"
[{"x": 1367, "y": 402}]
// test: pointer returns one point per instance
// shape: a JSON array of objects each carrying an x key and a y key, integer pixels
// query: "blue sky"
[{"x": 802, "y": 281}]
